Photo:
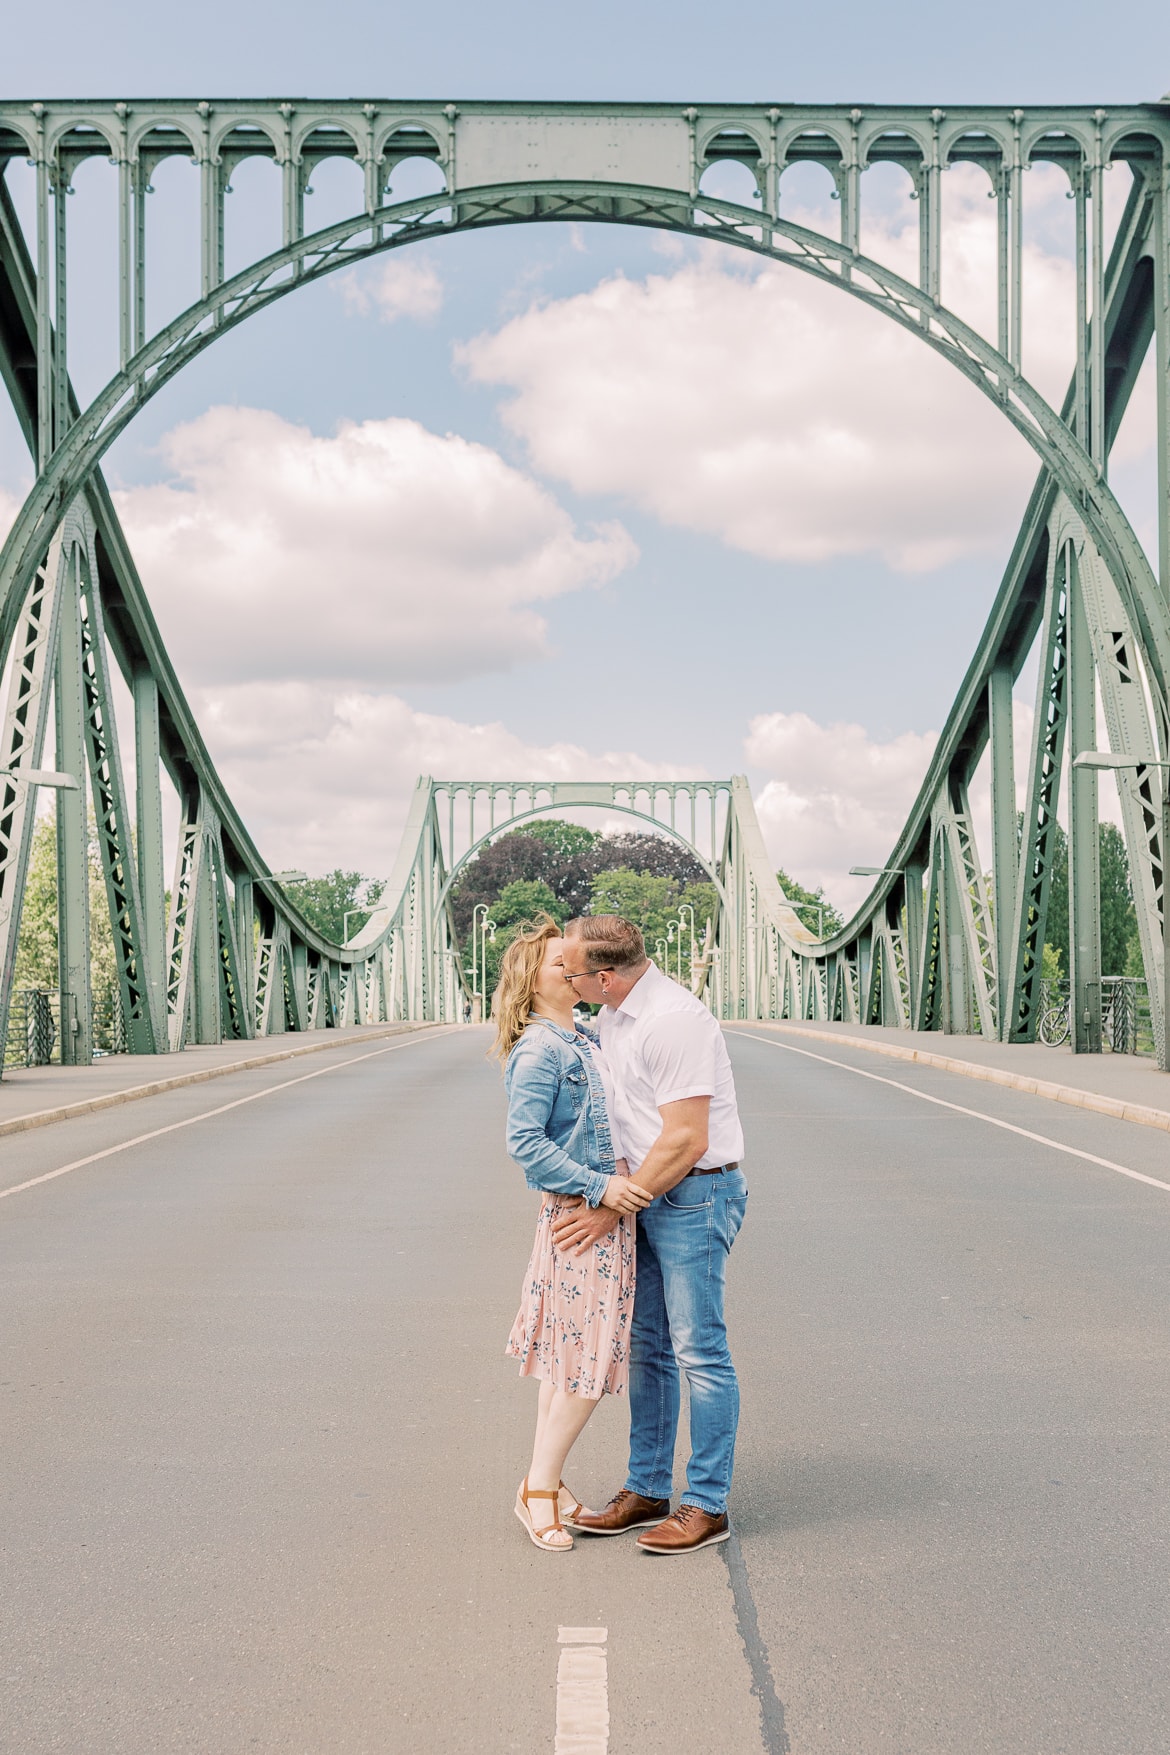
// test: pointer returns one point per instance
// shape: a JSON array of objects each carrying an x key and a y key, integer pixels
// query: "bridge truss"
[{"x": 947, "y": 939}]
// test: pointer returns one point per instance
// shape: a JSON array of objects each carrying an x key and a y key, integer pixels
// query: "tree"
[
  {"x": 565, "y": 841},
  {"x": 795, "y": 892},
  {"x": 654, "y": 904},
  {"x": 36, "y": 947},
  {"x": 1118, "y": 914},
  {"x": 660, "y": 855},
  {"x": 324, "y": 902}
]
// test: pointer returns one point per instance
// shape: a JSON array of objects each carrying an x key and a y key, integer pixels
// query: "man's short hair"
[{"x": 609, "y": 941}]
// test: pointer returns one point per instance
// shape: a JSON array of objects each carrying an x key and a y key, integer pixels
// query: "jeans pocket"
[
  {"x": 734, "y": 1210},
  {"x": 694, "y": 1194}
]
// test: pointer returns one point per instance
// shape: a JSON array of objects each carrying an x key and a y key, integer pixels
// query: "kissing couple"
[{"x": 633, "y": 1138}]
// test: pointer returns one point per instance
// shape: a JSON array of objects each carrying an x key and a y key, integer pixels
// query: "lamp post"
[
  {"x": 345, "y": 922},
  {"x": 42, "y": 777},
  {"x": 483, "y": 933},
  {"x": 875, "y": 871},
  {"x": 289, "y": 877},
  {"x": 1112, "y": 759},
  {"x": 660, "y": 954},
  {"x": 686, "y": 908},
  {"x": 820, "y": 908}
]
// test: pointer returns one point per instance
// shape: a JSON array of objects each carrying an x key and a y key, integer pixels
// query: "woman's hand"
[{"x": 623, "y": 1196}]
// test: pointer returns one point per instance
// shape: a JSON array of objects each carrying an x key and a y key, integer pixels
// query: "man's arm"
[
  {"x": 677, "y": 1150},
  {"x": 679, "y": 1146}
]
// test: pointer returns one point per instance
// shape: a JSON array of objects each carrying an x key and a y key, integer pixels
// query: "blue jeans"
[{"x": 684, "y": 1238}]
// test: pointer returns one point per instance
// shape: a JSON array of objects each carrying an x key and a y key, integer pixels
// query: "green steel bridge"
[{"x": 232, "y": 956}]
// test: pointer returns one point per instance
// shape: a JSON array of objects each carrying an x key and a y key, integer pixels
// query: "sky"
[{"x": 578, "y": 501}]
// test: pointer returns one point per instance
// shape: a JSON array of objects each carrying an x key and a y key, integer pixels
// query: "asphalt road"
[{"x": 260, "y": 1442}]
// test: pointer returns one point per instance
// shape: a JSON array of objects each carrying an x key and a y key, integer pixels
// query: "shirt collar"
[{"x": 641, "y": 993}]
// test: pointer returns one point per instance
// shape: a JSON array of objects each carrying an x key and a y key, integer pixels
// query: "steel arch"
[{"x": 311, "y": 258}]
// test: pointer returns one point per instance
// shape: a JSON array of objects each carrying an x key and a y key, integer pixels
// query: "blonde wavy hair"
[{"x": 519, "y": 968}]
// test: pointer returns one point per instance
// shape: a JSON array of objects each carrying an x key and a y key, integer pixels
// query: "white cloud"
[
  {"x": 324, "y": 778},
  {"x": 835, "y": 796},
  {"x": 396, "y": 286},
  {"x": 382, "y": 554},
  {"x": 763, "y": 408}
]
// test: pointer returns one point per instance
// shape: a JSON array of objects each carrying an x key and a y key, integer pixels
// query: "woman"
[{"x": 573, "y": 1325}]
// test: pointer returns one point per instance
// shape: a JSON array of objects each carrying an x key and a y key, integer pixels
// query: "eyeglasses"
[{"x": 579, "y": 974}]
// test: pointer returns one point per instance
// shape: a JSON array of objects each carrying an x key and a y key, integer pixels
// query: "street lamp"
[
  {"x": 289, "y": 877},
  {"x": 345, "y": 922},
  {"x": 660, "y": 954},
  {"x": 875, "y": 871},
  {"x": 686, "y": 908},
  {"x": 819, "y": 906},
  {"x": 483, "y": 933},
  {"x": 1113, "y": 759},
  {"x": 42, "y": 777}
]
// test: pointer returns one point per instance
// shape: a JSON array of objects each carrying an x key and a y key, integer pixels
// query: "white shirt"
[
  {"x": 661, "y": 1045},
  {"x": 606, "y": 1075}
]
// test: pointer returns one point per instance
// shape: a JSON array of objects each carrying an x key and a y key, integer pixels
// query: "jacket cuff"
[{"x": 595, "y": 1187}]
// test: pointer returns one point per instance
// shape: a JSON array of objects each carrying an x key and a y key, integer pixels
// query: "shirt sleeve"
[
  {"x": 679, "y": 1056},
  {"x": 546, "y": 1165}
]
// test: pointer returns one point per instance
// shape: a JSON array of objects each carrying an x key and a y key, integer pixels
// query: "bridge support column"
[
  {"x": 73, "y": 953},
  {"x": 151, "y": 882},
  {"x": 208, "y": 1013},
  {"x": 1084, "y": 886},
  {"x": 1005, "y": 840}
]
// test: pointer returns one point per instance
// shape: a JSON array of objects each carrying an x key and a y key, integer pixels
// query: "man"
[{"x": 676, "y": 1115}]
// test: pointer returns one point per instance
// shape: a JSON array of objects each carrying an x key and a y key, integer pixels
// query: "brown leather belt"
[{"x": 715, "y": 1170}]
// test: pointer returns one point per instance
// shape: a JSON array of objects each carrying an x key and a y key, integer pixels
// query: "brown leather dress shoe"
[
  {"x": 685, "y": 1531},
  {"x": 625, "y": 1511}
]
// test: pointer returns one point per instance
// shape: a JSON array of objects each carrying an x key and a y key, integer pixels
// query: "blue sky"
[{"x": 671, "y": 655}]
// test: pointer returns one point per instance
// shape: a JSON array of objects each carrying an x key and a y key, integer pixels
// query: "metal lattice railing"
[
  {"x": 34, "y": 1028},
  {"x": 1126, "y": 1023}
]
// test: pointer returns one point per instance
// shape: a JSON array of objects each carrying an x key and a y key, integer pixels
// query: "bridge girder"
[{"x": 924, "y": 948}]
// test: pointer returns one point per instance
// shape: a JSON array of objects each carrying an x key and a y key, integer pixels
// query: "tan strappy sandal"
[
  {"x": 569, "y": 1505},
  {"x": 552, "y": 1537}
]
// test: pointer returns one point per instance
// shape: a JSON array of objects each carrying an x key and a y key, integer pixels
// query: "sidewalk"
[
  {"x": 1129, "y": 1087},
  {"x": 37, "y": 1095}
]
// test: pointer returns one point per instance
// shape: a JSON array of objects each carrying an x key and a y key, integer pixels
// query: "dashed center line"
[{"x": 582, "y": 1692}]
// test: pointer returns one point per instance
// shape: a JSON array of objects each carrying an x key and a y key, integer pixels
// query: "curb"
[
  {"x": 992, "y": 1075},
  {"x": 112, "y": 1099}
]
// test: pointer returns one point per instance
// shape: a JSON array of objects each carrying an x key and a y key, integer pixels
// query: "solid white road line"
[
  {"x": 582, "y": 1692},
  {"x": 206, "y": 1114},
  {"x": 979, "y": 1114}
]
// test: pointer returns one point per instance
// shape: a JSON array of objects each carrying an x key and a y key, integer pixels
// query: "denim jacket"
[{"x": 558, "y": 1128}]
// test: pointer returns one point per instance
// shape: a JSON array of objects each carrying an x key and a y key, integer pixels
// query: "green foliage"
[
  {"x": 653, "y": 903},
  {"x": 324, "y": 901},
  {"x": 565, "y": 841},
  {"x": 1050, "y": 969},
  {"x": 523, "y": 900},
  {"x": 795, "y": 892},
  {"x": 1118, "y": 916},
  {"x": 36, "y": 948}
]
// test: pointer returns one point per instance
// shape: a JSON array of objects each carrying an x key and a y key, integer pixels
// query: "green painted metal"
[{"x": 923, "y": 949}]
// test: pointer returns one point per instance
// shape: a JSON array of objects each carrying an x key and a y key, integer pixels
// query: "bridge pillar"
[
  {"x": 1084, "y": 875},
  {"x": 73, "y": 951}
]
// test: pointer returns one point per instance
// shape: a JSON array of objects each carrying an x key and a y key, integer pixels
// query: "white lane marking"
[
  {"x": 582, "y": 1692},
  {"x": 979, "y": 1114},
  {"x": 206, "y": 1114}
]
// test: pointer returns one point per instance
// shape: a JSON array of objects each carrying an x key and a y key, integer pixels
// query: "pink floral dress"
[{"x": 573, "y": 1326}]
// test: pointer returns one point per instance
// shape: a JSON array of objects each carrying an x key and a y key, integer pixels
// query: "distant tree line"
[{"x": 565, "y": 870}]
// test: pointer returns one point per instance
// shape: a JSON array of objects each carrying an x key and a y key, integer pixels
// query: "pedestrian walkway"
[
  {"x": 37, "y": 1095},
  {"x": 1130, "y": 1087}
]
